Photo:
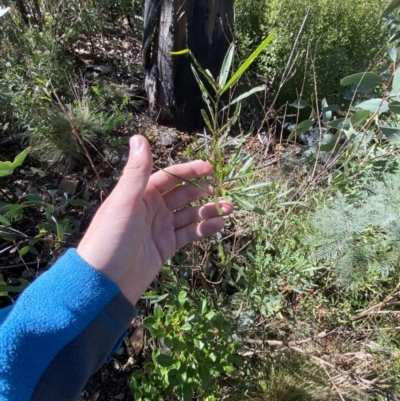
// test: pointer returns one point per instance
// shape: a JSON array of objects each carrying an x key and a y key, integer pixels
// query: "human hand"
[{"x": 144, "y": 221}]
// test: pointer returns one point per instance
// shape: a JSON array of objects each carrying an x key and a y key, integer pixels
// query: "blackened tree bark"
[{"x": 203, "y": 26}]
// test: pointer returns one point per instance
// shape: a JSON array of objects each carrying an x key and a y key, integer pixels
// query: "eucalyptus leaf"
[
  {"x": 394, "y": 107},
  {"x": 393, "y": 54},
  {"x": 396, "y": 85},
  {"x": 392, "y": 134},
  {"x": 327, "y": 114},
  {"x": 366, "y": 79},
  {"x": 301, "y": 104},
  {"x": 375, "y": 105}
]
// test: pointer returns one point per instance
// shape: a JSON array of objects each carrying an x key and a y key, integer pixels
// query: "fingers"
[
  {"x": 137, "y": 171},
  {"x": 195, "y": 232},
  {"x": 163, "y": 181},
  {"x": 180, "y": 196},
  {"x": 196, "y": 214}
]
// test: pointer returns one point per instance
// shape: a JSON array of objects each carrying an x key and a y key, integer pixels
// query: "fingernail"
[{"x": 136, "y": 144}]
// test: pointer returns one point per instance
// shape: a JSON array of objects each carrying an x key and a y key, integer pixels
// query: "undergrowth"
[{"x": 297, "y": 298}]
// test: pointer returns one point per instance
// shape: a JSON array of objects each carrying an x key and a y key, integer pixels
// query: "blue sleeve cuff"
[{"x": 60, "y": 331}]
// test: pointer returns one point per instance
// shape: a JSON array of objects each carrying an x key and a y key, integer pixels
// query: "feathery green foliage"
[{"x": 360, "y": 237}]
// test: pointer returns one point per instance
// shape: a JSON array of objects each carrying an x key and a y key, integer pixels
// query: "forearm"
[{"x": 60, "y": 331}]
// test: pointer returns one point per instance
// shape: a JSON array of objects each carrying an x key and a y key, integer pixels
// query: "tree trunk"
[{"x": 203, "y": 26}]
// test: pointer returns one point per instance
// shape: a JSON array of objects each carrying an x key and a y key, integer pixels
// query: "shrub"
[{"x": 343, "y": 38}]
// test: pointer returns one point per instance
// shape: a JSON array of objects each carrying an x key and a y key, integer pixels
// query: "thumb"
[{"x": 138, "y": 168}]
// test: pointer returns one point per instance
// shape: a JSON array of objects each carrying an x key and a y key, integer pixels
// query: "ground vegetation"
[{"x": 298, "y": 297}]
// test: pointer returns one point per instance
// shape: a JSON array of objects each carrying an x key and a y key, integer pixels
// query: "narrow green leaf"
[
  {"x": 206, "y": 74},
  {"x": 206, "y": 95},
  {"x": 243, "y": 68},
  {"x": 390, "y": 8},
  {"x": 395, "y": 37},
  {"x": 207, "y": 120},
  {"x": 226, "y": 66},
  {"x": 60, "y": 229},
  {"x": 250, "y": 206},
  {"x": 256, "y": 186},
  {"x": 245, "y": 95},
  {"x": 180, "y": 52}
]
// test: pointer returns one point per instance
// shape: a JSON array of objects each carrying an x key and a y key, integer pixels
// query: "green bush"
[
  {"x": 198, "y": 349},
  {"x": 343, "y": 37}
]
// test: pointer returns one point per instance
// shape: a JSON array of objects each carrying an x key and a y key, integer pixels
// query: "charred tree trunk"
[{"x": 203, "y": 26}]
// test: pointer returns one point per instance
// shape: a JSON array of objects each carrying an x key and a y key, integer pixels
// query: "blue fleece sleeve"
[{"x": 60, "y": 331}]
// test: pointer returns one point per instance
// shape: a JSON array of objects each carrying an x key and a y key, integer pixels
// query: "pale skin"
[{"x": 146, "y": 220}]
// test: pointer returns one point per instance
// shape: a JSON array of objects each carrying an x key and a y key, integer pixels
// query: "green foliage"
[
  {"x": 52, "y": 138},
  {"x": 7, "y": 168},
  {"x": 286, "y": 377},
  {"x": 341, "y": 37},
  {"x": 360, "y": 238},
  {"x": 38, "y": 39},
  {"x": 198, "y": 348},
  {"x": 230, "y": 175}
]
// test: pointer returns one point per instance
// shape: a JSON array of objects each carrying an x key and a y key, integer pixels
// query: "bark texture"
[{"x": 203, "y": 26}]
